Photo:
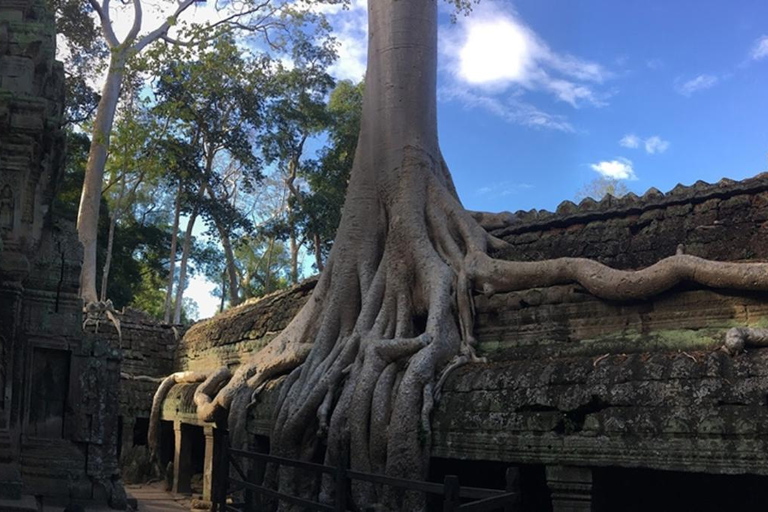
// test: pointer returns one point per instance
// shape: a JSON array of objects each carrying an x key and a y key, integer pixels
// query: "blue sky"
[{"x": 539, "y": 97}]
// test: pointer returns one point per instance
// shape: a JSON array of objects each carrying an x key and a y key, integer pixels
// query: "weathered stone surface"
[
  {"x": 228, "y": 337},
  {"x": 721, "y": 222},
  {"x": 58, "y": 385},
  {"x": 689, "y": 411}
]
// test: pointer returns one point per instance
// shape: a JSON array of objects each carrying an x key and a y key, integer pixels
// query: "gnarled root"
[
  {"x": 153, "y": 436},
  {"x": 738, "y": 338},
  {"x": 391, "y": 317},
  {"x": 490, "y": 276}
]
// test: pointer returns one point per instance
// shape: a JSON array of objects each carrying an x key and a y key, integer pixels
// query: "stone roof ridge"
[
  {"x": 590, "y": 209},
  {"x": 255, "y": 301}
]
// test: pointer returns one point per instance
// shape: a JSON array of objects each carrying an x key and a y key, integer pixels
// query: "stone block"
[{"x": 17, "y": 74}]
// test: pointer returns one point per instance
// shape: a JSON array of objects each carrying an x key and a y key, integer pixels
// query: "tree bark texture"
[
  {"x": 90, "y": 199},
  {"x": 392, "y": 313}
]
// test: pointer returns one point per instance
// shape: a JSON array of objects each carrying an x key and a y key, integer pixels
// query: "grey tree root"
[
  {"x": 392, "y": 313},
  {"x": 738, "y": 338},
  {"x": 153, "y": 436}
]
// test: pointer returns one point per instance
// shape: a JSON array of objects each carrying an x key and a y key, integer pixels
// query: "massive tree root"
[{"x": 392, "y": 313}]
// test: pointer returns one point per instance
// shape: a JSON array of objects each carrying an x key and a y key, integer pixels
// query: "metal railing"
[{"x": 455, "y": 498}]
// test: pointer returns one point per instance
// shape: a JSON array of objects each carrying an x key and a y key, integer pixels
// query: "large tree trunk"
[
  {"x": 88, "y": 214},
  {"x": 392, "y": 312},
  {"x": 172, "y": 257}
]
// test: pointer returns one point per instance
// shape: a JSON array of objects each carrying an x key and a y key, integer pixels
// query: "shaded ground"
[{"x": 154, "y": 498}]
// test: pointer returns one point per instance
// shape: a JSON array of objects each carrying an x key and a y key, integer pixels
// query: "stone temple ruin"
[
  {"x": 603, "y": 406},
  {"x": 58, "y": 385}
]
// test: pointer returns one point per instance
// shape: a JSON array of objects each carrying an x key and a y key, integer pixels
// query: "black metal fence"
[{"x": 455, "y": 497}]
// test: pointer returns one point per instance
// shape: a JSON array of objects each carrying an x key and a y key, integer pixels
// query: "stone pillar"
[
  {"x": 571, "y": 488},
  {"x": 182, "y": 460},
  {"x": 210, "y": 450}
]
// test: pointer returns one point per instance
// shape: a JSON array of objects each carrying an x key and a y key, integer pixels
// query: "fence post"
[
  {"x": 340, "y": 476},
  {"x": 451, "y": 493},
  {"x": 513, "y": 485},
  {"x": 221, "y": 471}
]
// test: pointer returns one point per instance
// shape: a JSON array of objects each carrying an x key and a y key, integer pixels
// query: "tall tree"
[
  {"x": 215, "y": 100},
  {"x": 295, "y": 113},
  {"x": 327, "y": 176},
  {"x": 261, "y": 18},
  {"x": 392, "y": 312}
]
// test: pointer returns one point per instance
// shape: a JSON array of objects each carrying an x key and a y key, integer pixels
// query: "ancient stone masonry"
[
  {"x": 226, "y": 339},
  {"x": 58, "y": 404},
  {"x": 147, "y": 348},
  {"x": 576, "y": 389}
]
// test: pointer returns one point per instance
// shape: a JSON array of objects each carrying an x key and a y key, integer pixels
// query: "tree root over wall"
[{"x": 391, "y": 316}]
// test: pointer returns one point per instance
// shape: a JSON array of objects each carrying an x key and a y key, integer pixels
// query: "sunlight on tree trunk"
[{"x": 392, "y": 313}]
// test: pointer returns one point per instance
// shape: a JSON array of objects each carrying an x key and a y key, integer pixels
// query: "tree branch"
[
  {"x": 160, "y": 31},
  {"x": 137, "y": 15},
  {"x": 106, "y": 23}
]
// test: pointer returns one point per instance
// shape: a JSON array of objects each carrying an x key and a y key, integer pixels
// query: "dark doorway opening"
[
  {"x": 48, "y": 393},
  {"x": 641, "y": 490},
  {"x": 140, "y": 431}
]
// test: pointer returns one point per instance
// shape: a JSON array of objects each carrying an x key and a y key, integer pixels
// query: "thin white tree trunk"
[
  {"x": 231, "y": 271},
  {"x": 88, "y": 213},
  {"x": 172, "y": 258},
  {"x": 183, "y": 267},
  {"x": 294, "y": 256},
  {"x": 268, "y": 272},
  {"x": 185, "y": 255},
  {"x": 108, "y": 259}
]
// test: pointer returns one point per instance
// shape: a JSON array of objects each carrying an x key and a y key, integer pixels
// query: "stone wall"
[
  {"x": 58, "y": 385},
  {"x": 147, "y": 347},
  {"x": 723, "y": 221},
  {"x": 227, "y": 338},
  {"x": 572, "y": 382}
]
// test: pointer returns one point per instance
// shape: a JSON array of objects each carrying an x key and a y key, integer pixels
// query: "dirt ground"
[{"x": 154, "y": 498}]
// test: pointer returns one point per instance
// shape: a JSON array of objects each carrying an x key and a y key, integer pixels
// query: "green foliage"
[
  {"x": 87, "y": 54},
  {"x": 70, "y": 186},
  {"x": 599, "y": 187},
  {"x": 264, "y": 265},
  {"x": 328, "y": 175}
]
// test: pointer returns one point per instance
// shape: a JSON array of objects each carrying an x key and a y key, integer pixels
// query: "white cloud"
[
  {"x": 509, "y": 108},
  {"x": 493, "y": 54},
  {"x": 501, "y": 189},
  {"x": 619, "y": 169},
  {"x": 655, "y": 145},
  {"x": 630, "y": 141},
  {"x": 350, "y": 28},
  {"x": 495, "y": 51},
  {"x": 654, "y": 63},
  {"x": 201, "y": 290},
  {"x": 696, "y": 84},
  {"x": 760, "y": 49}
]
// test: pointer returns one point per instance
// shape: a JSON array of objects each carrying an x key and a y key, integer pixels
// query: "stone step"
[
  {"x": 6, "y": 451},
  {"x": 25, "y": 503}
]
